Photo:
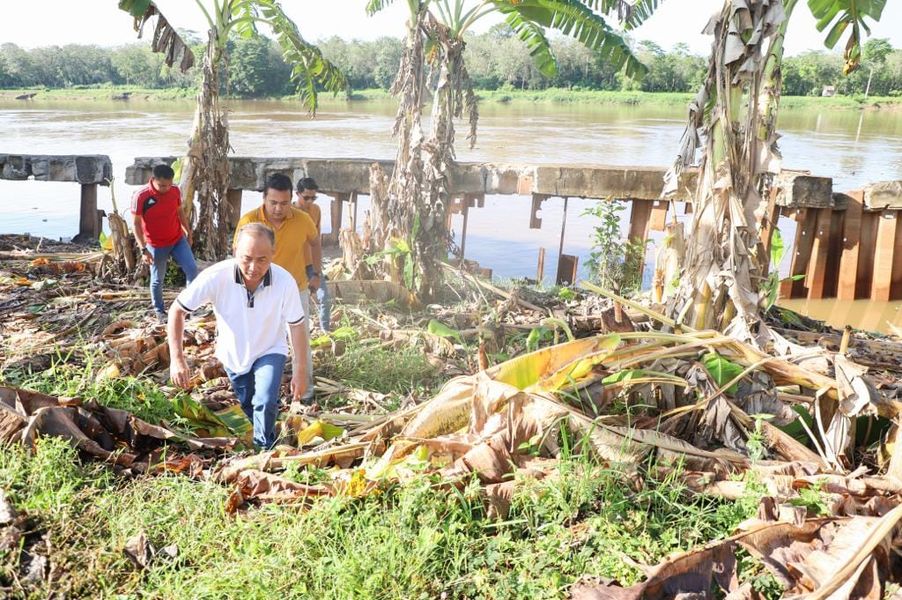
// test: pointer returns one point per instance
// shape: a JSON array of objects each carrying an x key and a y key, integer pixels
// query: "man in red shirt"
[{"x": 161, "y": 230}]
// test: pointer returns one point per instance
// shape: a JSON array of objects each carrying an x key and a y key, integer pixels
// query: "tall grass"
[{"x": 418, "y": 540}]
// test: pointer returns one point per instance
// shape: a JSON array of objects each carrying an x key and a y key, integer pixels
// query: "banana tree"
[
  {"x": 733, "y": 118},
  {"x": 205, "y": 168},
  {"x": 415, "y": 203}
]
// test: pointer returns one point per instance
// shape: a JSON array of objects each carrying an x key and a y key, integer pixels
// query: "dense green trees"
[{"x": 495, "y": 59}]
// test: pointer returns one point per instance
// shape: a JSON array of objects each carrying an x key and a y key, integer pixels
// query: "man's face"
[
  {"x": 276, "y": 204},
  {"x": 254, "y": 255},
  {"x": 162, "y": 185},
  {"x": 306, "y": 198}
]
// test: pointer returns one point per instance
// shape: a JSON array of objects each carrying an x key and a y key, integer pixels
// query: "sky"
[{"x": 100, "y": 22}]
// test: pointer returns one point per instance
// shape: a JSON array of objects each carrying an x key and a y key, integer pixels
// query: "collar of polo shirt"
[{"x": 267, "y": 277}]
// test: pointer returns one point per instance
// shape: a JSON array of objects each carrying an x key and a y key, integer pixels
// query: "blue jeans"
[
  {"x": 258, "y": 393},
  {"x": 323, "y": 300},
  {"x": 183, "y": 256}
]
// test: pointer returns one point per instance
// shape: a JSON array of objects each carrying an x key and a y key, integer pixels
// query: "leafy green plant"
[{"x": 614, "y": 263}]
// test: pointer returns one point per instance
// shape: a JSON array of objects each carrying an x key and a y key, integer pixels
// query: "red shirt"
[{"x": 160, "y": 213}]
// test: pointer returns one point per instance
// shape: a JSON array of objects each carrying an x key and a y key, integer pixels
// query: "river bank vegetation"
[{"x": 498, "y": 62}]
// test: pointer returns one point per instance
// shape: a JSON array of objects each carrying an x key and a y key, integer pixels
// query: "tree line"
[{"x": 495, "y": 60}]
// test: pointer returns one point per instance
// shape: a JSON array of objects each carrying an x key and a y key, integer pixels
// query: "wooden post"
[
  {"x": 560, "y": 250},
  {"x": 88, "y": 222},
  {"x": 540, "y": 267},
  {"x": 639, "y": 217},
  {"x": 801, "y": 253},
  {"x": 465, "y": 209},
  {"x": 353, "y": 200},
  {"x": 817, "y": 267},
  {"x": 535, "y": 222},
  {"x": 883, "y": 256},
  {"x": 848, "y": 262},
  {"x": 335, "y": 209},
  {"x": 658, "y": 220},
  {"x": 895, "y": 292},
  {"x": 233, "y": 198},
  {"x": 867, "y": 242},
  {"x": 834, "y": 253}
]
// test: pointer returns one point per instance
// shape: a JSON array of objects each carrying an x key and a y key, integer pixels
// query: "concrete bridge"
[
  {"x": 87, "y": 170},
  {"x": 845, "y": 243}
]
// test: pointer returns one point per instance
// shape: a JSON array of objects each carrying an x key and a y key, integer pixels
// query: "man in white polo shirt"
[{"x": 253, "y": 300}]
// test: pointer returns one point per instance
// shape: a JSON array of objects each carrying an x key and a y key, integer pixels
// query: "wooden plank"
[
  {"x": 866, "y": 242},
  {"x": 566, "y": 269},
  {"x": 535, "y": 222},
  {"x": 834, "y": 253},
  {"x": 895, "y": 292},
  {"x": 817, "y": 265},
  {"x": 883, "y": 256},
  {"x": 658, "y": 220},
  {"x": 540, "y": 266},
  {"x": 848, "y": 262},
  {"x": 801, "y": 252},
  {"x": 639, "y": 217}
]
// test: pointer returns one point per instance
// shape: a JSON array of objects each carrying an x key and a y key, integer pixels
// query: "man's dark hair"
[
  {"x": 307, "y": 183},
  {"x": 163, "y": 172},
  {"x": 277, "y": 181}
]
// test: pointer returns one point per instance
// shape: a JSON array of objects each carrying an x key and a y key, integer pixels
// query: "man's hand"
[
  {"x": 313, "y": 284},
  {"x": 298, "y": 384},
  {"x": 178, "y": 371},
  {"x": 190, "y": 237},
  {"x": 146, "y": 258}
]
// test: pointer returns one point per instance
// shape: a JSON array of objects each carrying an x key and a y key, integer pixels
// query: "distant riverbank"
[{"x": 551, "y": 95}]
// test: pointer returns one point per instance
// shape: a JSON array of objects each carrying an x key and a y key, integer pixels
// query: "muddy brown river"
[{"x": 853, "y": 147}]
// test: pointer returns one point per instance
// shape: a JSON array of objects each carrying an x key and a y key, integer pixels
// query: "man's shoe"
[{"x": 161, "y": 317}]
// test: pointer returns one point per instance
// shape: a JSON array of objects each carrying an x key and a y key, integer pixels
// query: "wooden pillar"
[
  {"x": 639, "y": 217},
  {"x": 335, "y": 210},
  {"x": 895, "y": 292},
  {"x": 867, "y": 242},
  {"x": 465, "y": 209},
  {"x": 353, "y": 201},
  {"x": 89, "y": 221},
  {"x": 801, "y": 252},
  {"x": 658, "y": 220},
  {"x": 848, "y": 262},
  {"x": 233, "y": 198},
  {"x": 817, "y": 267},
  {"x": 535, "y": 222},
  {"x": 883, "y": 256},
  {"x": 834, "y": 253},
  {"x": 540, "y": 267}
]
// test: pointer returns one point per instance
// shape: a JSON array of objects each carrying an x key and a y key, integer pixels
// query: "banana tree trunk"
[
  {"x": 735, "y": 112},
  {"x": 205, "y": 168}
]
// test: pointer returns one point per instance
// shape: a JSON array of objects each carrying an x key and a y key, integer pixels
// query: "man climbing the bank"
[
  {"x": 254, "y": 301},
  {"x": 297, "y": 245},
  {"x": 161, "y": 231},
  {"x": 305, "y": 199}
]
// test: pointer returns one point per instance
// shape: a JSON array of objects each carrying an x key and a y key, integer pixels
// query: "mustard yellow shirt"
[
  {"x": 292, "y": 240},
  {"x": 314, "y": 213}
]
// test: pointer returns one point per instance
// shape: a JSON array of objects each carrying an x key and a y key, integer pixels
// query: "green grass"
[
  {"x": 414, "y": 541},
  {"x": 551, "y": 96}
]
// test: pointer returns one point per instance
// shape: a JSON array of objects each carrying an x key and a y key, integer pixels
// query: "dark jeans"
[
  {"x": 183, "y": 256},
  {"x": 323, "y": 300},
  {"x": 258, "y": 393}
]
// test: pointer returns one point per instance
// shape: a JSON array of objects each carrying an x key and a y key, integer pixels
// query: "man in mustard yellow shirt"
[{"x": 297, "y": 244}]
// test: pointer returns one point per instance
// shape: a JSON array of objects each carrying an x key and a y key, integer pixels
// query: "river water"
[{"x": 853, "y": 147}]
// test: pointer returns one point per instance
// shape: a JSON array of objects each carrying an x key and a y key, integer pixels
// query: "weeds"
[{"x": 414, "y": 540}]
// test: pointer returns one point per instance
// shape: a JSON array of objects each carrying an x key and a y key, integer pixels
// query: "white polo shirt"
[{"x": 248, "y": 325}]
